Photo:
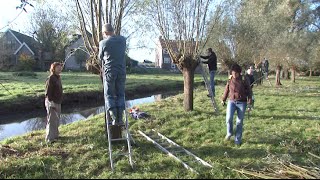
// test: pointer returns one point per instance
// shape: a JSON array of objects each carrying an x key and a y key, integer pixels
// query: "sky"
[
  {"x": 15, "y": 19},
  {"x": 8, "y": 13}
]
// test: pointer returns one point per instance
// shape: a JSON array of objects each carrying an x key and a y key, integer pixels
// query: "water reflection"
[{"x": 23, "y": 126}]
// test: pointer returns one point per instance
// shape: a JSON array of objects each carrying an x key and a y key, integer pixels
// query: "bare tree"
[
  {"x": 92, "y": 14},
  {"x": 182, "y": 24}
]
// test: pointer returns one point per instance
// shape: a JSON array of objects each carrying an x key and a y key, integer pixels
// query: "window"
[{"x": 167, "y": 60}]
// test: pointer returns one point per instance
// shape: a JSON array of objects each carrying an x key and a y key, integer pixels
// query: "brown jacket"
[
  {"x": 238, "y": 90},
  {"x": 54, "y": 89}
]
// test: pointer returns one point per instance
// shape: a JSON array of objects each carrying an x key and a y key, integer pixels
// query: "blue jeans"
[
  {"x": 212, "y": 73},
  {"x": 114, "y": 91},
  {"x": 240, "y": 107}
]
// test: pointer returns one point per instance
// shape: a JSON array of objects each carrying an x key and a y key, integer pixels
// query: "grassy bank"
[
  {"x": 20, "y": 93},
  {"x": 283, "y": 126},
  {"x": 19, "y": 88}
]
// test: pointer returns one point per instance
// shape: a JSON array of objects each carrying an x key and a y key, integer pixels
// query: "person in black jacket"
[
  {"x": 53, "y": 100},
  {"x": 249, "y": 76},
  {"x": 212, "y": 64}
]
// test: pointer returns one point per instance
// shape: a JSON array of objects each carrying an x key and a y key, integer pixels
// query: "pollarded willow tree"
[
  {"x": 182, "y": 25},
  {"x": 240, "y": 37},
  {"x": 92, "y": 14}
]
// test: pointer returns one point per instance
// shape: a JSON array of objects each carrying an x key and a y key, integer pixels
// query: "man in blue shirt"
[{"x": 112, "y": 56}]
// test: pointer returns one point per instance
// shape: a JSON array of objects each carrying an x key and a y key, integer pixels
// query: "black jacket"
[
  {"x": 54, "y": 89},
  {"x": 212, "y": 61}
]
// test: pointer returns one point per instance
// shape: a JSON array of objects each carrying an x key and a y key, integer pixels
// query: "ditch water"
[{"x": 19, "y": 124}]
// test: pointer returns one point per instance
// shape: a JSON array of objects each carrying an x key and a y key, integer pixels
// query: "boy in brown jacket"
[{"x": 239, "y": 93}]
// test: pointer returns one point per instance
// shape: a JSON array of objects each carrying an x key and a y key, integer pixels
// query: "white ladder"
[
  {"x": 125, "y": 127},
  {"x": 205, "y": 75},
  {"x": 187, "y": 158},
  {"x": 128, "y": 138}
]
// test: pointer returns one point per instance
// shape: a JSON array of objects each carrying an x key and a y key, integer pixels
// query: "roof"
[
  {"x": 26, "y": 40},
  {"x": 76, "y": 37},
  {"x": 175, "y": 43}
]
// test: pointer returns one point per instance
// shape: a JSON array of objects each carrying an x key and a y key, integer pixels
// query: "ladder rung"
[
  {"x": 178, "y": 151},
  {"x": 194, "y": 160},
  {"x": 174, "y": 148},
  {"x": 119, "y": 139},
  {"x": 121, "y": 154},
  {"x": 164, "y": 144},
  {"x": 156, "y": 139}
]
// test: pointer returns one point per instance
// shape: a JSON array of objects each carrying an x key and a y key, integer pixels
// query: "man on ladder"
[
  {"x": 212, "y": 64},
  {"x": 112, "y": 56}
]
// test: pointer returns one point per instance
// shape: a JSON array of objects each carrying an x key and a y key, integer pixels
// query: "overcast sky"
[{"x": 15, "y": 19}]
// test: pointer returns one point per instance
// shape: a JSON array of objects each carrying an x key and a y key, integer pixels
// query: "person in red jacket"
[
  {"x": 240, "y": 94},
  {"x": 53, "y": 100}
]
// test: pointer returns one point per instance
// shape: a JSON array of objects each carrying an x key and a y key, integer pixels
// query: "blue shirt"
[{"x": 112, "y": 54}]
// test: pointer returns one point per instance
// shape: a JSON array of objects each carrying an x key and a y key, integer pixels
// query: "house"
[
  {"x": 76, "y": 54},
  {"x": 163, "y": 59},
  {"x": 13, "y": 44}
]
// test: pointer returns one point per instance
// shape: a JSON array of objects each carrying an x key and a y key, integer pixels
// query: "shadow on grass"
[{"x": 292, "y": 94}]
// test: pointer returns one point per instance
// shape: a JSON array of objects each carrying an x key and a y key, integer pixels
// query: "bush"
[{"x": 26, "y": 62}]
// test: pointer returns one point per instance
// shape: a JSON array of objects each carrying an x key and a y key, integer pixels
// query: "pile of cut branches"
[{"x": 284, "y": 169}]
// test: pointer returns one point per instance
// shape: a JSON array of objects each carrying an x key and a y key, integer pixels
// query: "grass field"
[{"x": 283, "y": 127}]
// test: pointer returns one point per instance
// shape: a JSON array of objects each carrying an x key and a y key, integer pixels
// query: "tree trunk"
[
  {"x": 310, "y": 73},
  {"x": 278, "y": 83},
  {"x": 293, "y": 74},
  {"x": 188, "y": 77}
]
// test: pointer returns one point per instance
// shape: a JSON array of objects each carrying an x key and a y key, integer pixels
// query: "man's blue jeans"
[
  {"x": 240, "y": 107},
  {"x": 212, "y": 73},
  {"x": 114, "y": 91}
]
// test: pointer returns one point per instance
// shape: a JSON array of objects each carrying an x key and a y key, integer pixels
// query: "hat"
[
  {"x": 236, "y": 68},
  {"x": 107, "y": 28}
]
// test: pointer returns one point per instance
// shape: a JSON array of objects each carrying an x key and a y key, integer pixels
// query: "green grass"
[{"x": 285, "y": 123}]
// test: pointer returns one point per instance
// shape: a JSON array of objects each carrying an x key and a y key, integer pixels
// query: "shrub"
[{"x": 26, "y": 62}]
